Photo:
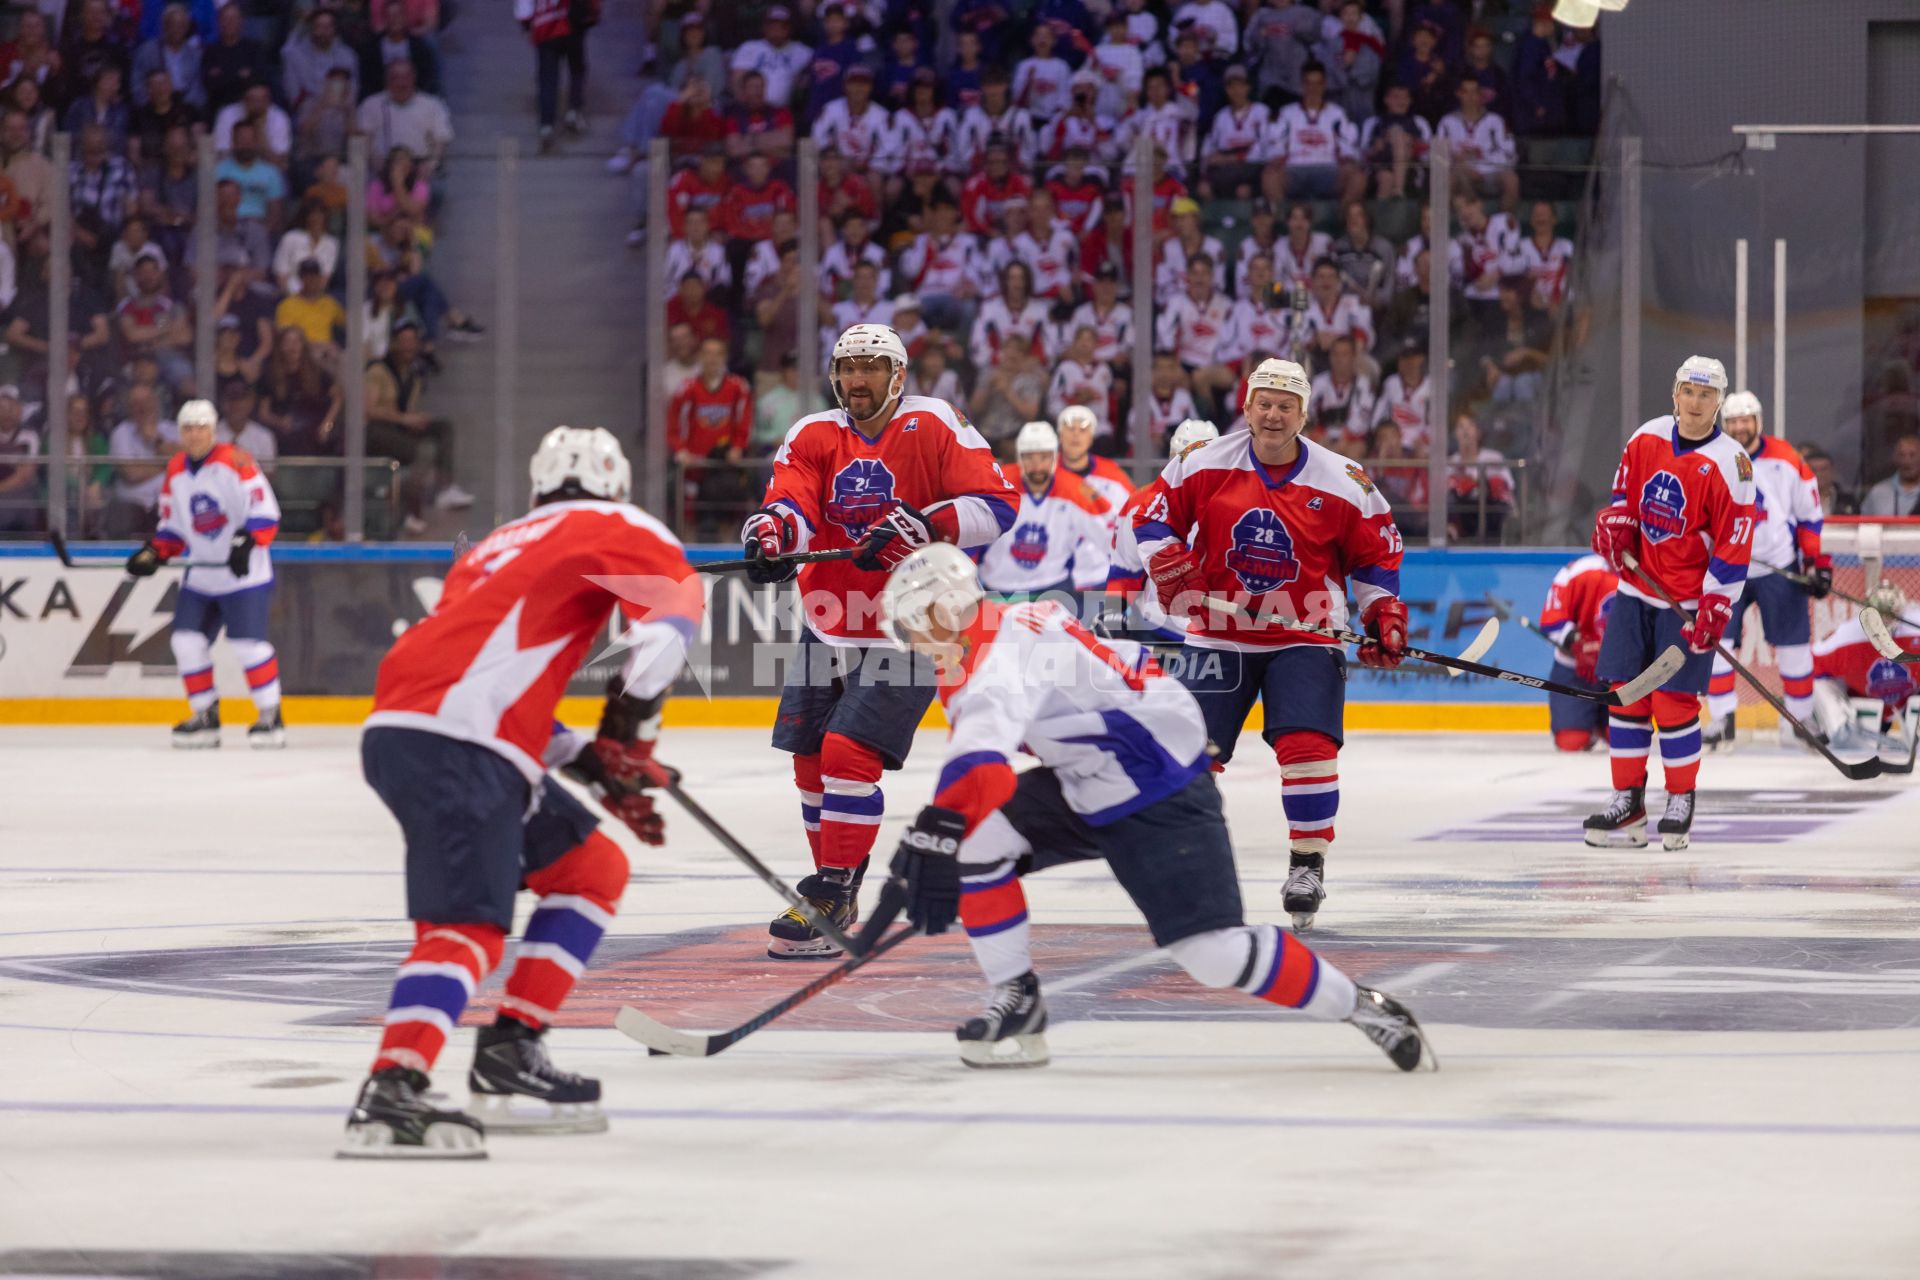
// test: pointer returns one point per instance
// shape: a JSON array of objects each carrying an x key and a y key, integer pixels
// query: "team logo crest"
[
  {"x": 1262, "y": 552},
  {"x": 1743, "y": 466},
  {"x": 1663, "y": 507},
  {"x": 1029, "y": 546},
  {"x": 1359, "y": 477},
  {"x": 1889, "y": 681},
  {"x": 862, "y": 493},
  {"x": 206, "y": 515}
]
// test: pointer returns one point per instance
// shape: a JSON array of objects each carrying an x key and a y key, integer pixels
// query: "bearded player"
[
  {"x": 458, "y": 744},
  {"x": 1683, "y": 507},
  {"x": 883, "y": 475},
  {"x": 1280, "y": 525},
  {"x": 1786, "y": 536}
]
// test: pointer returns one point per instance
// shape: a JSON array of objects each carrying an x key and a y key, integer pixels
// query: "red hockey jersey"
[
  {"x": 517, "y": 614},
  {"x": 1283, "y": 543},
  {"x": 840, "y": 483},
  {"x": 1695, "y": 507},
  {"x": 1846, "y": 656},
  {"x": 702, "y": 418},
  {"x": 1108, "y": 482},
  {"x": 1577, "y": 602}
]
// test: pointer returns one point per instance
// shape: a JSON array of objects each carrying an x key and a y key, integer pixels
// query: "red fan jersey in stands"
[
  {"x": 1577, "y": 602},
  {"x": 840, "y": 483},
  {"x": 1846, "y": 656},
  {"x": 703, "y": 418},
  {"x": 1290, "y": 539},
  {"x": 1786, "y": 507},
  {"x": 1107, "y": 481},
  {"x": 1694, "y": 501},
  {"x": 517, "y": 614}
]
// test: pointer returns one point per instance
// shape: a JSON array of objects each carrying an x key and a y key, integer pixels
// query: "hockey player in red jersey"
[
  {"x": 457, "y": 746},
  {"x": 1854, "y": 682},
  {"x": 1112, "y": 485},
  {"x": 883, "y": 475},
  {"x": 1283, "y": 525},
  {"x": 1126, "y": 573},
  {"x": 1575, "y": 619},
  {"x": 1683, "y": 507}
]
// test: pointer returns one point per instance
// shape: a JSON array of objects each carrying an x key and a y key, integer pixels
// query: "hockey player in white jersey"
[
  {"x": 1127, "y": 574},
  {"x": 1123, "y": 777},
  {"x": 219, "y": 513},
  {"x": 1059, "y": 535}
]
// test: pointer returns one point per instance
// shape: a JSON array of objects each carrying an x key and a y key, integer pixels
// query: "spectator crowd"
[
  {"x": 279, "y": 87},
  {"x": 975, "y": 191}
]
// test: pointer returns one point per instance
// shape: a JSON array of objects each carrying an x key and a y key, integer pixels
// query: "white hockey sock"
[
  {"x": 1795, "y": 662},
  {"x": 263, "y": 672},
  {"x": 1268, "y": 964},
  {"x": 193, "y": 655},
  {"x": 993, "y": 909}
]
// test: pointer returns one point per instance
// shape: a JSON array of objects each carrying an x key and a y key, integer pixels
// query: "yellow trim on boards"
[{"x": 729, "y": 713}]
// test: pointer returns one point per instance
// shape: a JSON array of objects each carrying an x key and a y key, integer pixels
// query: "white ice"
[{"x": 1604, "y": 1129}]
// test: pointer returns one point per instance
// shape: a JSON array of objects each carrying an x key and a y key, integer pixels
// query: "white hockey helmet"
[
  {"x": 1888, "y": 600},
  {"x": 1189, "y": 433},
  {"x": 870, "y": 340},
  {"x": 198, "y": 413},
  {"x": 1741, "y": 404},
  {"x": 940, "y": 576},
  {"x": 1278, "y": 375},
  {"x": 1036, "y": 437},
  {"x": 1078, "y": 415},
  {"x": 587, "y": 457},
  {"x": 1702, "y": 371}
]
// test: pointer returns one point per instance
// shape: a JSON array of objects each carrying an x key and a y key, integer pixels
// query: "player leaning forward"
[
  {"x": 885, "y": 474},
  {"x": 1279, "y": 524},
  {"x": 218, "y": 510},
  {"x": 1123, "y": 776},
  {"x": 1683, "y": 507},
  {"x": 457, "y": 747}
]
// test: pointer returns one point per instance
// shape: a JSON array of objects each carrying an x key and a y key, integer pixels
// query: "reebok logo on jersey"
[
  {"x": 206, "y": 514},
  {"x": 1262, "y": 552},
  {"x": 1663, "y": 507},
  {"x": 1029, "y": 545},
  {"x": 861, "y": 493}
]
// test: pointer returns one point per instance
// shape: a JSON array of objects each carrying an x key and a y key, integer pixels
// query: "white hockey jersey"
[
  {"x": 1119, "y": 734},
  {"x": 1170, "y": 267},
  {"x": 203, "y": 505},
  {"x": 1070, "y": 385},
  {"x": 1053, "y": 261},
  {"x": 912, "y": 139},
  {"x": 1040, "y": 86},
  {"x": 1545, "y": 268},
  {"x": 1013, "y": 124},
  {"x": 998, "y": 324},
  {"x": 1406, "y": 409},
  {"x": 1056, "y": 536},
  {"x": 1236, "y": 137},
  {"x": 1344, "y": 411},
  {"x": 838, "y": 262},
  {"x": 1112, "y": 333},
  {"x": 1483, "y": 146},
  {"x": 1479, "y": 259},
  {"x": 709, "y": 262},
  {"x": 1786, "y": 501},
  {"x": 1200, "y": 333},
  {"x": 1302, "y": 137},
  {"x": 859, "y": 138},
  {"x": 1164, "y": 415},
  {"x": 1293, "y": 267},
  {"x": 942, "y": 266},
  {"x": 1096, "y": 134},
  {"x": 1348, "y": 316},
  {"x": 1260, "y": 329}
]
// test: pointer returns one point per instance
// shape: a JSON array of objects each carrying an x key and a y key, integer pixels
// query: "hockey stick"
[
  {"x": 1505, "y": 609},
  {"x": 699, "y": 814},
  {"x": 662, "y": 1040},
  {"x": 1858, "y": 772},
  {"x": 1882, "y": 639},
  {"x": 804, "y": 557},
  {"x": 1661, "y": 670},
  {"x": 1799, "y": 579},
  {"x": 59, "y": 543}
]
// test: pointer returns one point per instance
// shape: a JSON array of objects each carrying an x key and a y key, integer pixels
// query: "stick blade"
[
  {"x": 1663, "y": 669},
  {"x": 659, "y": 1037},
  {"x": 1481, "y": 643},
  {"x": 1882, "y": 639}
]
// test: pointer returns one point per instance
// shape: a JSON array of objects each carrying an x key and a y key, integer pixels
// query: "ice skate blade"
[
  {"x": 812, "y": 949},
  {"x": 443, "y": 1142},
  {"x": 1634, "y": 837},
  {"x": 270, "y": 741},
  {"x": 195, "y": 741},
  {"x": 1020, "y": 1051},
  {"x": 1674, "y": 841},
  {"x": 1303, "y": 921},
  {"x": 497, "y": 1112}
]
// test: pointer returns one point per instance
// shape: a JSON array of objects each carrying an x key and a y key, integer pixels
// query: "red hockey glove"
[
  {"x": 622, "y": 771},
  {"x": 768, "y": 534},
  {"x": 1709, "y": 624},
  {"x": 1586, "y": 657},
  {"x": 1386, "y": 623},
  {"x": 1175, "y": 571},
  {"x": 1616, "y": 534},
  {"x": 903, "y": 531}
]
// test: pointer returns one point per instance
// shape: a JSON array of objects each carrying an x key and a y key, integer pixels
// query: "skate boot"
[
  {"x": 1305, "y": 889},
  {"x": 510, "y": 1067},
  {"x": 1789, "y": 738},
  {"x": 1389, "y": 1024},
  {"x": 1011, "y": 1033},
  {"x": 199, "y": 730},
  {"x": 1677, "y": 821},
  {"x": 1625, "y": 816},
  {"x": 830, "y": 891},
  {"x": 268, "y": 732},
  {"x": 1717, "y": 733},
  {"x": 392, "y": 1119}
]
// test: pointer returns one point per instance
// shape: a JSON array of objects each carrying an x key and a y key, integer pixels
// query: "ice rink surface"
[{"x": 1704, "y": 1063}]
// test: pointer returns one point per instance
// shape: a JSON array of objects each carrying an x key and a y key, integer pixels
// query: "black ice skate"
[
  {"x": 1389, "y": 1024},
  {"x": 199, "y": 730},
  {"x": 1011, "y": 1033},
  {"x": 1305, "y": 889},
  {"x": 1677, "y": 821},
  {"x": 1717, "y": 733},
  {"x": 832, "y": 892},
  {"x": 269, "y": 731},
  {"x": 392, "y": 1119},
  {"x": 516, "y": 1089},
  {"x": 1624, "y": 817}
]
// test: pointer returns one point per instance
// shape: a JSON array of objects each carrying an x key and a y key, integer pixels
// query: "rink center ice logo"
[
  {"x": 862, "y": 493},
  {"x": 1663, "y": 507},
  {"x": 1261, "y": 556}
]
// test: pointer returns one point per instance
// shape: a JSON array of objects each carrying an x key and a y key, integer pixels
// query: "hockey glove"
[
  {"x": 1586, "y": 657},
  {"x": 240, "y": 554},
  {"x": 1709, "y": 624},
  {"x": 619, "y": 772},
  {"x": 903, "y": 531},
  {"x": 1175, "y": 571},
  {"x": 1616, "y": 534},
  {"x": 1386, "y": 623},
  {"x": 928, "y": 863},
  {"x": 1819, "y": 573},
  {"x": 142, "y": 563},
  {"x": 769, "y": 534}
]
